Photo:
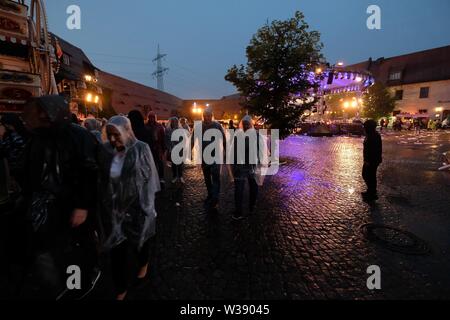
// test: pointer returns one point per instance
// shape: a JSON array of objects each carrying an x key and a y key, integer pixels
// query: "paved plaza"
[{"x": 304, "y": 241}]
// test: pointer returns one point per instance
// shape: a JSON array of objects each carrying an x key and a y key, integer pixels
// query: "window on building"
[
  {"x": 66, "y": 59},
  {"x": 399, "y": 95},
  {"x": 424, "y": 92},
  {"x": 393, "y": 76}
]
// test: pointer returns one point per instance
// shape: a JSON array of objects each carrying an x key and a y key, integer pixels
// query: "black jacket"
[
  {"x": 71, "y": 151},
  {"x": 373, "y": 149}
]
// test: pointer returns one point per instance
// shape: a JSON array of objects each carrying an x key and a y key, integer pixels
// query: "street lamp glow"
[
  {"x": 440, "y": 109},
  {"x": 88, "y": 78},
  {"x": 358, "y": 79},
  {"x": 97, "y": 99},
  {"x": 346, "y": 104},
  {"x": 89, "y": 97},
  {"x": 319, "y": 70},
  {"x": 354, "y": 104},
  {"x": 340, "y": 64}
]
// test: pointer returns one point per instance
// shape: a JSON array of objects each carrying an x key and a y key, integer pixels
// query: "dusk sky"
[{"x": 203, "y": 38}]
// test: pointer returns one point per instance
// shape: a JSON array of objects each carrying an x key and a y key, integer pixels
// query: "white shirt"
[{"x": 117, "y": 165}]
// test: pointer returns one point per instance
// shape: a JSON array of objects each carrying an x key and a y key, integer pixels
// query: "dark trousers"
[
  {"x": 239, "y": 187},
  {"x": 370, "y": 178},
  {"x": 122, "y": 258},
  {"x": 211, "y": 174},
  {"x": 177, "y": 170},
  {"x": 159, "y": 164}
]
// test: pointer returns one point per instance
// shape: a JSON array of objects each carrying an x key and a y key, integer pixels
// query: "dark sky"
[{"x": 203, "y": 38}]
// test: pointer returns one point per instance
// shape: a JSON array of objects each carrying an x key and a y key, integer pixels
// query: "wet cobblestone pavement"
[
  {"x": 304, "y": 242},
  {"x": 304, "y": 239}
]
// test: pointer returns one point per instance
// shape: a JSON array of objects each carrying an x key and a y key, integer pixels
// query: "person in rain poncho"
[
  {"x": 129, "y": 181},
  {"x": 249, "y": 150},
  {"x": 59, "y": 189}
]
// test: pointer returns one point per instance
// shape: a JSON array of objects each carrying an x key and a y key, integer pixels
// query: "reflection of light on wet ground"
[{"x": 326, "y": 168}]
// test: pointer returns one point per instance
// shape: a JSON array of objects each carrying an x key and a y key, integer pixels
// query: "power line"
[{"x": 160, "y": 70}]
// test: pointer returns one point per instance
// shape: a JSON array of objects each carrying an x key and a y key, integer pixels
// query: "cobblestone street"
[{"x": 304, "y": 240}]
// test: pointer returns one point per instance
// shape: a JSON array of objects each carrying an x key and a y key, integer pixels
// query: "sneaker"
[
  {"x": 182, "y": 180},
  {"x": 237, "y": 216}
]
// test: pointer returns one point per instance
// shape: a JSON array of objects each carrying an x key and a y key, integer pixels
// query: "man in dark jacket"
[
  {"x": 158, "y": 146},
  {"x": 373, "y": 149},
  {"x": 60, "y": 183}
]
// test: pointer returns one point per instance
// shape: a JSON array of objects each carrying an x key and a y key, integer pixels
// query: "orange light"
[{"x": 89, "y": 97}]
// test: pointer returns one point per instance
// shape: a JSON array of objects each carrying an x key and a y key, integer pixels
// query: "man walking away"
[
  {"x": 158, "y": 146},
  {"x": 211, "y": 172}
]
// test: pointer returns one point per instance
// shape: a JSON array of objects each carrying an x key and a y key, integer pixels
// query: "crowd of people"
[
  {"x": 76, "y": 192},
  {"x": 417, "y": 124}
]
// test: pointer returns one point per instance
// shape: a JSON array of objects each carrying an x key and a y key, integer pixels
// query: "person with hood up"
[
  {"x": 129, "y": 181},
  {"x": 373, "y": 149},
  {"x": 59, "y": 188}
]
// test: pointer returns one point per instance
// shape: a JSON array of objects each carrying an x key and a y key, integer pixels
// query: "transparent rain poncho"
[
  {"x": 253, "y": 160},
  {"x": 129, "y": 200}
]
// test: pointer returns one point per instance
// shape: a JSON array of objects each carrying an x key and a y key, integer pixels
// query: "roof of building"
[
  {"x": 424, "y": 66},
  {"x": 79, "y": 62}
]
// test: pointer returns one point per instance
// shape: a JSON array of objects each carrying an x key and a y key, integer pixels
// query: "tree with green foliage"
[
  {"x": 378, "y": 102},
  {"x": 279, "y": 79}
]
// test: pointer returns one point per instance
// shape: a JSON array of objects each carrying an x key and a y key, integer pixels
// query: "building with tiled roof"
[{"x": 420, "y": 81}]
